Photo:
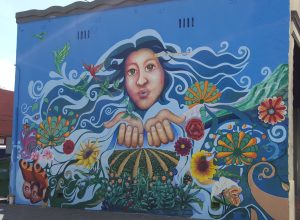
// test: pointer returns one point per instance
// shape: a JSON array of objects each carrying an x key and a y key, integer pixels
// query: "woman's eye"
[
  {"x": 150, "y": 67},
  {"x": 131, "y": 72}
]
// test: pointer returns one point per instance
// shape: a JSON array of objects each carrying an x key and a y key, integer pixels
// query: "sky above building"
[{"x": 8, "y": 39}]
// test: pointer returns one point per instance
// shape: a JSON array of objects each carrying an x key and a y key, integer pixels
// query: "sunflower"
[
  {"x": 272, "y": 110},
  {"x": 201, "y": 168},
  {"x": 88, "y": 154}
]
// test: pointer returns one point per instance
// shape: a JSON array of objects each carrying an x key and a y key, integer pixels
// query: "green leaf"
[
  {"x": 60, "y": 55},
  {"x": 56, "y": 108},
  {"x": 35, "y": 106},
  {"x": 215, "y": 205},
  {"x": 46, "y": 100},
  {"x": 202, "y": 112},
  {"x": 44, "y": 113},
  {"x": 73, "y": 121},
  {"x": 125, "y": 115},
  {"x": 70, "y": 113},
  {"x": 210, "y": 143},
  {"x": 116, "y": 84},
  {"x": 199, "y": 202},
  {"x": 32, "y": 126},
  {"x": 130, "y": 107},
  {"x": 106, "y": 83},
  {"x": 125, "y": 101},
  {"x": 227, "y": 174}
]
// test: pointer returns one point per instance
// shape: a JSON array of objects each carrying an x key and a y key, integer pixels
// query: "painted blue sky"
[
  {"x": 262, "y": 26},
  {"x": 8, "y": 38}
]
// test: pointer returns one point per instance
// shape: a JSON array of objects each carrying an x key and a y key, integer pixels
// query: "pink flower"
[
  {"x": 47, "y": 154},
  {"x": 35, "y": 156}
]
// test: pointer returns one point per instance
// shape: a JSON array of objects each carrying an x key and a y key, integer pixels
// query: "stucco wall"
[{"x": 183, "y": 112}]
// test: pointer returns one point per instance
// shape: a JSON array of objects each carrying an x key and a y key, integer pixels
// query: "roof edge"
[{"x": 78, "y": 7}]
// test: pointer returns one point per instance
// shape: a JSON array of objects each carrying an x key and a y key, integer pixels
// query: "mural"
[{"x": 152, "y": 128}]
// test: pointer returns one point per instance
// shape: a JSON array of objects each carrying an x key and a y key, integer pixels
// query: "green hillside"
[{"x": 275, "y": 85}]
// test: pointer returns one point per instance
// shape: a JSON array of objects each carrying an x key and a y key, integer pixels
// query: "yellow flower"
[
  {"x": 201, "y": 168},
  {"x": 88, "y": 154}
]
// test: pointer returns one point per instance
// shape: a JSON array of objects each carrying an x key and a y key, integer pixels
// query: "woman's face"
[{"x": 144, "y": 77}]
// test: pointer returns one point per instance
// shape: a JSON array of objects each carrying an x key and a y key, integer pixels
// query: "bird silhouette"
[
  {"x": 93, "y": 69},
  {"x": 40, "y": 36}
]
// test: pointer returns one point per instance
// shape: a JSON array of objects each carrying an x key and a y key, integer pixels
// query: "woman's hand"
[
  {"x": 159, "y": 128},
  {"x": 130, "y": 132}
]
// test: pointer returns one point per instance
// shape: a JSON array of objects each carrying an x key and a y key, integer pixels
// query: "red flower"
[
  {"x": 183, "y": 146},
  {"x": 272, "y": 110},
  {"x": 68, "y": 147},
  {"x": 195, "y": 129}
]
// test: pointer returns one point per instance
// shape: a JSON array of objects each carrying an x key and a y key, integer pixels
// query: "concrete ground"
[{"x": 23, "y": 212}]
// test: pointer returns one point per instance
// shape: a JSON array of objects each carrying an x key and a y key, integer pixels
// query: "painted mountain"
[{"x": 275, "y": 85}]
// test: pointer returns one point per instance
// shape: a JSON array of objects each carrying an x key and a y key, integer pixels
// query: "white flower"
[{"x": 222, "y": 184}]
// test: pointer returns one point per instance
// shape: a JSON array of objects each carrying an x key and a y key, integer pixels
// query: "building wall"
[
  {"x": 172, "y": 108},
  {"x": 6, "y": 112}
]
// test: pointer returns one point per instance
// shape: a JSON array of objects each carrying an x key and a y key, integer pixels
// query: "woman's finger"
[
  {"x": 134, "y": 140},
  {"x": 149, "y": 138},
  {"x": 128, "y": 135},
  {"x": 121, "y": 134},
  {"x": 149, "y": 123},
  {"x": 115, "y": 120},
  {"x": 141, "y": 139},
  {"x": 156, "y": 140},
  {"x": 174, "y": 118},
  {"x": 168, "y": 129},
  {"x": 161, "y": 133}
]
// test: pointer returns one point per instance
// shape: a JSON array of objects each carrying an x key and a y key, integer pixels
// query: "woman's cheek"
[
  {"x": 130, "y": 83},
  {"x": 158, "y": 79}
]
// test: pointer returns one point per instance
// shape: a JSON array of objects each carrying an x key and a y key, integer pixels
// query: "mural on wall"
[{"x": 151, "y": 128}]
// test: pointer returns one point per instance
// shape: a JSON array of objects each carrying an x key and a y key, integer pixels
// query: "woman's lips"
[{"x": 143, "y": 93}]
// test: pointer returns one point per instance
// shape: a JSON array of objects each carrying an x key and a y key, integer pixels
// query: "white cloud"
[{"x": 7, "y": 74}]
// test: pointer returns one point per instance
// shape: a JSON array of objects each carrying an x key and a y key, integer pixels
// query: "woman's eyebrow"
[
  {"x": 130, "y": 64},
  {"x": 150, "y": 59}
]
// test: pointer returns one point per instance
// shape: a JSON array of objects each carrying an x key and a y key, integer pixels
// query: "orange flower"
[
  {"x": 232, "y": 195},
  {"x": 201, "y": 92},
  {"x": 237, "y": 148},
  {"x": 272, "y": 110}
]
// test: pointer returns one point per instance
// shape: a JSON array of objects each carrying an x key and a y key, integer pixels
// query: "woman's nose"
[{"x": 142, "y": 80}]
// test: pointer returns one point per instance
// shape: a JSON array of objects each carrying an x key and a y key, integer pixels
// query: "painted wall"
[{"x": 173, "y": 108}]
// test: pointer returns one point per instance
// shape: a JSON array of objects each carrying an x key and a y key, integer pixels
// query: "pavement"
[{"x": 24, "y": 212}]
